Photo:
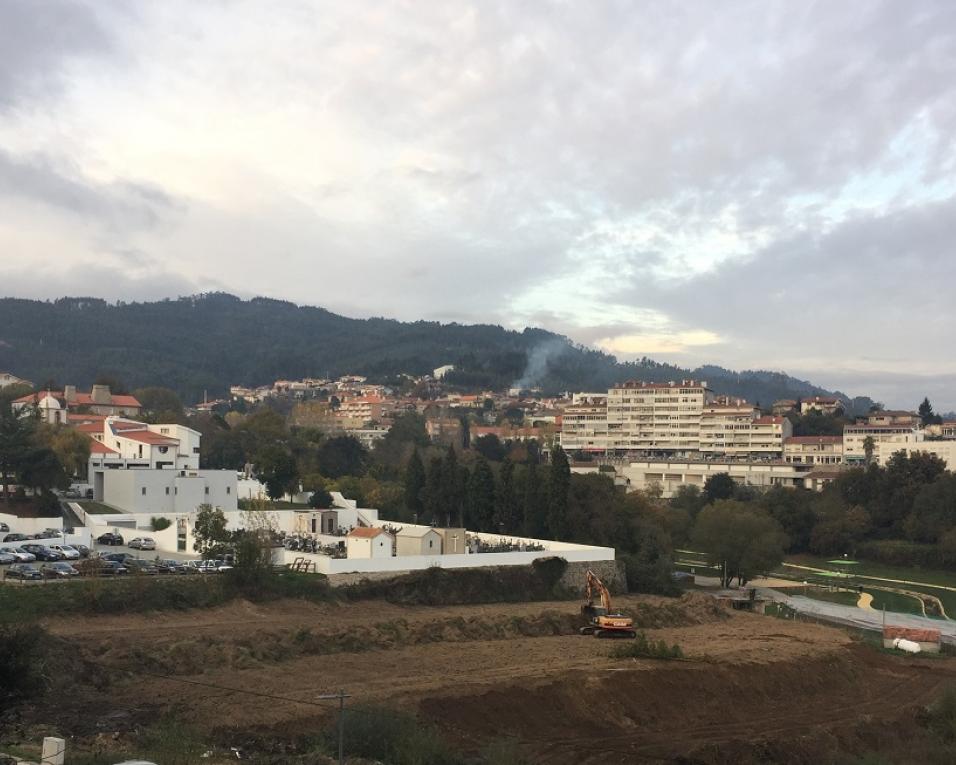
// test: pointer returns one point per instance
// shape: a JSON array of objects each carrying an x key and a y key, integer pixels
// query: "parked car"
[
  {"x": 142, "y": 543},
  {"x": 83, "y": 550},
  {"x": 137, "y": 566},
  {"x": 118, "y": 557},
  {"x": 23, "y": 571},
  {"x": 100, "y": 567},
  {"x": 20, "y": 554},
  {"x": 172, "y": 567},
  {"x": 207, "y": 566},
  {"x": 42, "y": 552},
  {"x": 71, "y": 494},
  {"x": 7, "y": 558},
  {"x": 58, "y": 570},
  {"x": 110, "y": 538},
  {"x": 16, "y": 538},
  {"x": 68, "y": 551}
]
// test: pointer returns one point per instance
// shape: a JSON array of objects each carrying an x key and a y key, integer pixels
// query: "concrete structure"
[
  {"x": 453, "y": 540},
  {"x": 151, "y": 492},
  {"x": 737, "y": 429},
  {"x": 887, "y": 440},
  {"x": 667, "y": 476},
  {"x": 519, "y": 557},
  {"x": 122, "y": 443},
  {"x": 813, "y": 450},
  {"x": 369, "y": 543},
  {"x": 418, "y": 540}
]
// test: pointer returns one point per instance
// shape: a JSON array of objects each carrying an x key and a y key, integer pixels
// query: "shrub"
[
  {"x": 159, "y": 524},
  {"x": 642, "y": 648},
  {"x": 941, "y": 716},
  {"x": 390, "y": 736},
  {"x": 21, "y": 662}
]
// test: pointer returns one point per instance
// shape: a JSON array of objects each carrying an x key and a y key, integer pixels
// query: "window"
[
  {"x": 207, "y": 491},
  {"x": 167, "y": 491},
  {"x": 431, "y": 542},
  {"x": 143, "y": 490},
  {"x": 228, "y": 490}
]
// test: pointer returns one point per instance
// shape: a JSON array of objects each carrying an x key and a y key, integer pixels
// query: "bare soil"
[{"x": 753, "y": 688}]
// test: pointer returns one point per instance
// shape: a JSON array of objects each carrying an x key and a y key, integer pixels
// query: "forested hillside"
[{"x": 207, "y": 342}]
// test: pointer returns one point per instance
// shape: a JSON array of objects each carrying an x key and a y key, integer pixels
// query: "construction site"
[{"x": 747, "y": 688}]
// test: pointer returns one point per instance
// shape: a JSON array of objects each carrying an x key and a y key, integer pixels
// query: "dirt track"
[{"x": 517, "y": 670}]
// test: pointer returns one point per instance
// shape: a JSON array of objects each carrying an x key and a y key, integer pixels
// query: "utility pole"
[{"x": 341, "y": 696}]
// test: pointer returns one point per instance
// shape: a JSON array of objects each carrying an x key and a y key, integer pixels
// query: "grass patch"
[
  {"x": 883, "y": 571},
  {"x": 97, "y": 508},
  {"x": 643, "y": 648}
]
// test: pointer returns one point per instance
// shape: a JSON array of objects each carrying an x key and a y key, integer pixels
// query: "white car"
[
  {"x": 22, "y": 556},
  {"x": 68, "y": 552},
  {"x": 142, "y": 543}
]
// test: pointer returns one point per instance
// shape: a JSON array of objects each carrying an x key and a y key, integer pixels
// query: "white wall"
[
  {"x": 20, "y": 525},
  {"x": 162, "y": 492}
]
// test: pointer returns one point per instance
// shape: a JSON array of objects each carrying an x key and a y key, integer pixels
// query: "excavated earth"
[{"x": 751, "y": 689}]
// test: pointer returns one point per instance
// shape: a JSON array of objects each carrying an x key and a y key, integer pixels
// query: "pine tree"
[
  {"x": 533, "y": 505},
  {"x": 507, "y": 515},
  {"x": 452, "y": 490},
  {"x": 559, "y": 486},
  {"x": 414, "y": 484},
  {"x": 480, "y": 497},
  {"x": 433, "y": 499}
]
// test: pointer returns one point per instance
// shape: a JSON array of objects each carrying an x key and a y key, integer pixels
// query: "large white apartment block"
[
  {"x": 584, "y": 423},
  {"x": 656, "y": 417},
  {"x": 735, "y": 428},
  {"x": 813, "y": 450}
]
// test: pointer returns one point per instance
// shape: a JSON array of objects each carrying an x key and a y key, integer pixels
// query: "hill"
[{"x": 207, "y": 342}]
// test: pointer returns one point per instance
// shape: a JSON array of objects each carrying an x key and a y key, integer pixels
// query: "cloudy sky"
[{"x": 756, "y": 184}]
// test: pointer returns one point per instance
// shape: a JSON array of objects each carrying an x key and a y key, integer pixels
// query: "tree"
[
  {"x": 869, "y": 446},
  {"x": 42, "y": 471},
  {"x": 559, "y": 484},
  {"x": 719, "y": 486},
  {"x": 490, "y": 447},
  {"x": 432, "y": 501},
  {"x": 534, "y": 502},
  {"x": 927, "y": 415},
  {"x": 740, "y": 539},
  {"x": 209, "y": 531},
  {"x": 71, "y": 447},
  {"x": 276, "y": 468},
  {"x": 161, "y": 404},
  {"x": 342, "y": 455},
  {"x": 507, "y": 507},
  {"x": 688, "y": 498},
  {"x": 414, "y": 484},
  {"x": 934, "y": 511},
  {"x": 14, "y": 445},
  {"x": 480, "y": 497},
  {"x": 793, "y": 510},
  {"x": 452, "y": 489},
  {"x": 320, "y": 499}
]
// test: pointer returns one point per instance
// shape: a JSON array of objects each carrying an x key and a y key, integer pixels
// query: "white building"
[
  {"x": 365, "y": 543},
  {"x": 887, "y": 440},
  {"x": 122, "y": 443},
  {"x": 813, "y": 450},
  {"x": 418, "y": 540},
  {"x": 164, "y": 492},
  {"x": 584, "y": 423},
  {"x": 657, "y": 417}
]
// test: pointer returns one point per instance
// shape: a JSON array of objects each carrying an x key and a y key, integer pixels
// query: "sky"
[{"x": 760, "y": 185}]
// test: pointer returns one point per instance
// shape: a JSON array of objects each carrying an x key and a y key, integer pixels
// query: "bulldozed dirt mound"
[
  {"x": 706, "y": 713},
  {"x": 751, "y": 687}
]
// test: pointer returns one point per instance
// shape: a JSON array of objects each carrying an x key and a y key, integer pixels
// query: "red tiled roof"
[
  {"x": 911, "y": 633},
  {"x": 97, "y": 448},
  {"x": 148, "y": 437},
  {"x": 89, "y": 427},
  {"x": 366, "y": 533},
  {"x": 84, "y": 399}
]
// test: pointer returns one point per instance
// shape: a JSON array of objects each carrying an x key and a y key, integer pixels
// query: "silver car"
[
  {"x": 142, "y": 543},
  {"x": 22, "y": 556},
  {"x": 67, "y": 551}
]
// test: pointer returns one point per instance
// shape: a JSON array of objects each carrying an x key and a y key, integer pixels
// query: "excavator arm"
[{"x": 596, "y": 585}]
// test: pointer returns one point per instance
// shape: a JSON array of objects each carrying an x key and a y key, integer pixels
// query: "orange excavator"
[{"x": 602, "y": 622}]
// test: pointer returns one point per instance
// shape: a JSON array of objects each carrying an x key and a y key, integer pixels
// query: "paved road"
[{"x": 852, "y": 616}]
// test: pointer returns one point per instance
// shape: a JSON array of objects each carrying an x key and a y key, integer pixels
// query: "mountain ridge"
[{"x": 207, "y": 342}]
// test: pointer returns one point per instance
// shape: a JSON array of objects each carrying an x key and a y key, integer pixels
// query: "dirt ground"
[{"x": 750, "y": 684}]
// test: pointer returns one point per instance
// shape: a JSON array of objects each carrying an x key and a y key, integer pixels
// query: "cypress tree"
[
  {"x": 414, "y": 484},
  {"x": 559, "y": 487}
]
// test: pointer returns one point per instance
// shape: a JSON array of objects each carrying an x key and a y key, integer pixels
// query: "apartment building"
[
  {"x": 813, "y": 450},
  {"x": 584, "y": 423},
  {"x": 657, "y": 417},
  {"x": 365, "y": 409}
]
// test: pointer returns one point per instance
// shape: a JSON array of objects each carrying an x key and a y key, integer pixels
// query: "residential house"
[
  {"x": 6, "y": 378},
  {"x": 822, "y": 404}
]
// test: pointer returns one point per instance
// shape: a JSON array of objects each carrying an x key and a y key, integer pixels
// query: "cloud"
[{"x": 748, "y": 183}]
